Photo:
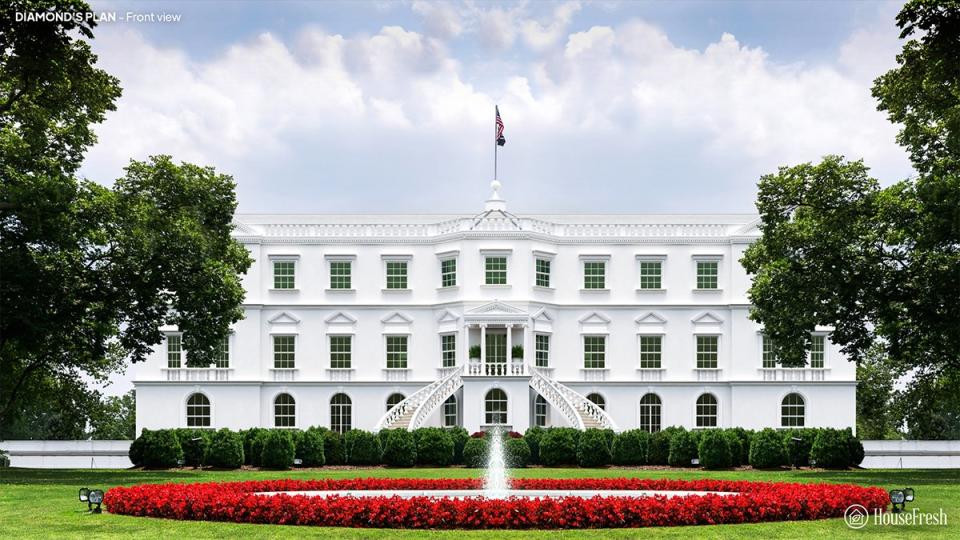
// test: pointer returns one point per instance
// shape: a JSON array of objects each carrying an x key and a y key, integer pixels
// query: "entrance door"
[{"x": 496, "y": 348}]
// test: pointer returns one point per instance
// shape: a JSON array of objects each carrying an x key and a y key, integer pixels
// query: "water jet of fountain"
[{"x": 496, "y": 483}]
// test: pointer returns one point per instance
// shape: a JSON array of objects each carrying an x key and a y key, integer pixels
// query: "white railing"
[
  {"x": 495, "y": 369},
  {"x": 396, "y": 374},
  {"x": 415, "y": 400},
  {"x": 444, "y": 390},
  {"x": 707, "y": 374},
  {"x": 284, "y": 374},
  {"x": 794, "y": 374},
  {"x": 340, "y": 374},
  {"x": 571, "y": 405},
  {"x": 650, "y": 374},
  {"x": 198, "y": 374},
  {"x": 594, "y": 374}
]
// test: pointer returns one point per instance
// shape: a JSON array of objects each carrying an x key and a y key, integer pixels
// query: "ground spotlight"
[
  {"x": 84, "y": 493},
  {"x": 898, "y": 500},
  {"x": 907, "y": 494},
  {"x": 96, "y": 497}
]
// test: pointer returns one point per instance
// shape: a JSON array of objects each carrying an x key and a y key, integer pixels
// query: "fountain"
[{"x": 495, "y": 482}]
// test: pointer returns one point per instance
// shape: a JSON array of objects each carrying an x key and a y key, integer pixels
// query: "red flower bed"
[{"x": 238, "y": 502}]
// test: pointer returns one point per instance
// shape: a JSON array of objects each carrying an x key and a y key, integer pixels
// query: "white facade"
[{"x": 368, "y": 315}]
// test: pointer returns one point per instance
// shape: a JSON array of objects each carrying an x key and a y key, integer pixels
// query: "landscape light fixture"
[
  {"x": 95, "y": 497},
  {"x": 898, "y": 500},
  {"x": 84, "y": 494},
  {"x": 908, "y": 494}
]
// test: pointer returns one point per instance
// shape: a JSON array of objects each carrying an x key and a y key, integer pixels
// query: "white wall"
[
  {"x": 68, "y": 454},
  {"x": 911, "y": 455}
]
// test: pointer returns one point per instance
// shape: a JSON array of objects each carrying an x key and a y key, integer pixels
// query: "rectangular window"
[
  {"x": 284, "y": 352},
  {"x": 707, "y": 274},
  {"x": 174, "y": 352},
  {"x": 448, "y": 273},
  {"x": 707, "y": 352},
  {"x": 650, "y": 274},
  {"x": 496, "y": 348},
  {"x": 221, "y": 356},
  {"x": 817, "y": 352},
  {"x": 396, "y": 274},
  {"x": 340, "y": 273},
  {"x": 448, "y": 350},
  {"x": 594, "y": 352},
  {"x": 769, "y": 356},
  {"x": 543, "y": 272},
  {"x": 341, "y": 352},
  {"x": 496, "y": 271},
  {"x": 542, "y": 350},
  {"x": 396, "y": 352},
  {"x": 594, "y": 275},
  {"x": 284, "y": 274},
  {"x": 650, "y": 349}
]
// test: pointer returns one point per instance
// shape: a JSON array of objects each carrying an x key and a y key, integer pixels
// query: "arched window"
[
  {"x": 450, "y": 415},
  {"x": 198, "y": 411},
  {"x": 284, "y": 411},
  {"x": 540, "y": 408},
  {"x": 597, "y": 400},
  {"x": 706, "y": 411},
  {"x": 393, "y": 400},
  {"x": 650, "y": 406},
  {"x": 495, "y": 405},
  {"x": 792, "y": 411},
  {"x": 341, "y": 413}
]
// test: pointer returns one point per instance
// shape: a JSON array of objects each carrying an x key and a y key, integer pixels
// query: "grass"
[{"x": 42, "y": 503}]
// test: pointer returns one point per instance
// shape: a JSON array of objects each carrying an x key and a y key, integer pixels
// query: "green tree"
[
  {"x": 877, "y": 414},
  {"x": 115, "y": 418},
  {"x": 91, "y": 273}
]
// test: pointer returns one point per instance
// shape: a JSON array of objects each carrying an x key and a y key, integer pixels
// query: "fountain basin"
[{"x": 523, "y": 493}]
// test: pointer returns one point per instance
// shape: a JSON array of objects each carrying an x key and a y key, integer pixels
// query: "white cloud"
[
  {"x": 396, "y": 121},
  {"x": 440, "y": 18}
]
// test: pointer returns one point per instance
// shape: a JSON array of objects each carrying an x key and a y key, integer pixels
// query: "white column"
[
  {"x": 483, "y": 344},
  {"x": 464, "y": 345},
  {"x": 527, "y": 345},
  {"x": 508, "y": 366}
]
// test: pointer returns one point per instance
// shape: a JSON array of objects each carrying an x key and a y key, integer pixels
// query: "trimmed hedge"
[
  {"x": 559, "y": 447},
  {"x": 736, "y": 447},
  {"x": 434, "y": 446},
  {"x": 593, "y": 449},
  {"x": 362, "y": 447},
  {"x": 309, "y": 448},
  {"x": 630, "y": 447},
  {"x": 459, "y": 437},
  {"x": 161, "y": 450},
  {"x": 797, "y": 444},
  {"x": 401, "y": 450},
  {"x": 836, "y": 449},
  {"x": 194, "y": 443},
  {"x": 475, "y": 453},
  {"x": 532, "y": 436},
  {"x": 683, "y": 448},
  {"x": 225, "y": 450},
  {"x": 253, "y": 445},
  {"x": 136, "y": 448},
  {"x": 517, "y": 452},
  {"x": 278, "y": 449},
  {"x": 714, "y": 450},
  {"x": 332, "y": 446},
  {"x": 658, "y": 451},
  {"x": 766, "y": 449}
]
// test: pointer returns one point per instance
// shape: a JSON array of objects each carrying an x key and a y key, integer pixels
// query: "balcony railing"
[
  {"x": 197, "y": 374},
  {"x": 340, "y": 374},
  {"x": 496, "y": 369},
  {"x": 283, "y": 374},
  {"x": 650, "y": 374},
  {"x": 396, "y": 374},
  {"x": 595, "y": 374},
  {"x": 707, "y": 374},
  {"x": 794, "y": 374}
]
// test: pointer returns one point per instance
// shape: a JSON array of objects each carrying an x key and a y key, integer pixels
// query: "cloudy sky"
[{"x": 388, "y": 106}]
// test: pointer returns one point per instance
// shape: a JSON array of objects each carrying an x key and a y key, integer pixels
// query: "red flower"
[{"x": 239, "y": 502}]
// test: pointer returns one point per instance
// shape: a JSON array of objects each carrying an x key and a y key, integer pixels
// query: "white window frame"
[
  {"x": 546, "y": 412},
  {"x": 295, "y": 259},
  {"x": 716, "y": 398},
  {"x": 696, "y": 275},
  {"x": 640, "y": 349},
  {"x": 186, "y": 405},
  {"x": 273, "y": 350},
  {"x": 456, "y": 414},
  {"x": 507, "y": 255},
  {"x": 166, "y": 351},
  {"x": 696, "y": 352},
  {"x": 583, "y": 350},
  {"x": 347, "y": 258},
  {"x": 549, "y": 257},
  {"x": 605, "y": 259},
  {"x": 408, "y": 259},
  {"x": 536, "y": 348},
  {"x": 352, "y": 416},
  {"x": 483, "y": 407},
  {"x": 296, "y": 410},
  {"x": 330, "y": 351},
  {"x": 442, "y": 258},
  {"x": 640, "y": 259},
  {"x": 409, "y": 337}
]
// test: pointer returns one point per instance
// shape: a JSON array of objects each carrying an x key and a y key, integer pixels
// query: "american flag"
[{"x": 500, "y": 140}]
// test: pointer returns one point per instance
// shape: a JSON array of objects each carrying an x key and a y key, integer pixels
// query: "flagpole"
[{"x": 495, "y": 146}]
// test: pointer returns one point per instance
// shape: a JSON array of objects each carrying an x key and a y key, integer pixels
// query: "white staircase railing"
[
  {"x": 414, "y": 402},
  {"x": 448, "y": 385},
  {"x": 573, "y": 406}
]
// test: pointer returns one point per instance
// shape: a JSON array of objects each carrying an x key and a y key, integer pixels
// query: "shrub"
[
  {"x": 400, "y": 451},
  {"x": 797, "y": 444},
  {"x": 559, "y": 447},
  {"x": 766, "y": 449},
  {"x": 332, "y": 446},
  {"x": 736, "y": 447},
  {"x": 832, "y": 449},
  {"x": 162, "y": 450},
  {"x": 630, "y": 447},
  {"x": 434, "y": 446},
  {"x": 278, "y": 449},
  {"x": 714, "y": 450},
  {"x": 474, "y": 351},
  {"x": 658, "y": 452},
  {"x": 745, "y": 435},
  {"x": 225, "y": 450},
  {"x": 516, "y": 351},
  {"x": 194, "y": 443},
  {"x": 855, "y": 447},
  {"x": 517, "y": 453},
  {"x": 362, "y": 447},
  {"x": 475, "y": 453},
  {"x": 532, "y": 437},
  {"x": 683, "y": 449},
  {"x": 5, "y": 459},
  {"x": 252, "y": 450},
  {"x": 309, "y": 448},
  {"x": 136, "y": 448},
  {"x": 592, "y": 449},
  {"x": 459, "y": 437}
]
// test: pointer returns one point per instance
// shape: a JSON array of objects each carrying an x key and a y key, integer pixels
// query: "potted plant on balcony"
[
  {"x": 475, "y": 352},
  {"x": 517, "y": 352}
]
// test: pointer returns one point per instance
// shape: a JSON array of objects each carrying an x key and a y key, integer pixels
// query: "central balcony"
[{"x": 497, "y": 369}]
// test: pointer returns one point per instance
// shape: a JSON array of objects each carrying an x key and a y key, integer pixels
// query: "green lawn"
[{"x": 42, "y": 503}]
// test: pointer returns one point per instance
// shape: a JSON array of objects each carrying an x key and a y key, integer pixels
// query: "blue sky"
[{"x": 609, "y": 106}]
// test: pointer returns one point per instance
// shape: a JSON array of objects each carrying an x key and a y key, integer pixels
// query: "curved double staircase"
[{"x": 578, "y": 411}]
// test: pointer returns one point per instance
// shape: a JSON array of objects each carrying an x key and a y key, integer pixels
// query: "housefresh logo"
[{"x": 857, "y": 517}]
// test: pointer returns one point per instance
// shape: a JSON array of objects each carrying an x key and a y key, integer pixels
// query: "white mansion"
[{"x": 373, "y": 321}]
